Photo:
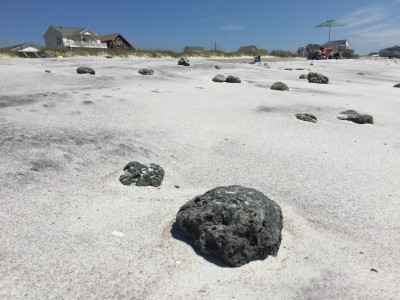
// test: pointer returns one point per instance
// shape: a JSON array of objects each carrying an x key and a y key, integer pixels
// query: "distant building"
[
  {"x": 338, "y": 46},
  {"x": 116, "y": 40},
  {"x": 71, "y": 37},
  {"x": 194, "y": 49},
  {"x": 26, "y": 47},
  {"x": 390, "y": 52},
  {"x": 248, "y": 49}
]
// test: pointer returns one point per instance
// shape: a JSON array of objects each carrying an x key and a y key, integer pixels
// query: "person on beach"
[{"x": 320, "y": 54}]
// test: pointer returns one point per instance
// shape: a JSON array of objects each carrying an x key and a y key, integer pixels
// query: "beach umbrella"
[{"x": 330, "y": 23}]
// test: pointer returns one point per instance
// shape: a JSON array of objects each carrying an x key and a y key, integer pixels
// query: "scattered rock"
[
  {"x": 183, "y": 62},
  {"x": 279, "y": 86},
  {"x": 146, "y": 72},
  {"x": 88, "y": 102},
  {"x": 317, "y": 78},
  {"x": 109, "y": 56},
  {"x": 217, "y": 67},
  {"x": 360, "y": 73},
  {"x": 233, "y": 79},
  {"x": 142, "y": 175},
  {"x": 303, "y": 76},
  {"x": 307, "y": 117},
  {"x": 352, "y": 115},
  {"x": 85, "y": 70},
  {"x": 397, "y": 85},
  {"x": 47, "y": 71},
  {"x": 233, "y": 223},
  {"x": 288, "y": 69},
  {"x": 374, "y": 270},
  {"x": 219, "y": 78}
]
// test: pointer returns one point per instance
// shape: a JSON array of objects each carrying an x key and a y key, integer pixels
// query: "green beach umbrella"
[{"x": 330, "y": 23}]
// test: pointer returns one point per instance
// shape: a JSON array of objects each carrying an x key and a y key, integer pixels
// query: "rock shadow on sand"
[{"x": 178, "y": 234}]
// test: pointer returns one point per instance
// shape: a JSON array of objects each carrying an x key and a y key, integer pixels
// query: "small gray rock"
[
  {"x": 233, "y": 79},
  {"x": 146, "y": 72},
  {"x": 183, "y": 62},
  {"x": 219, "y": 78},
  {"x": 279, "y": 86},
  {"x": 233, "y": 223},
  {"x": 317, "y": 78},
  {"x": 397, "y": 85},
  {"x": 142, "y": 175},
  {"x": 303, "y": 76},
  {"x": 85, "y": 70},
  {"x": 360, "y": 73},
  {"x": 217, "y": 67},
  {"x": 353, "y": 116},
  {"x": 288, "y": 69},
  {"x": 307, "y": 117},
  {"x": 109, "y": 56},
  {"x": 47, "y": 71}
]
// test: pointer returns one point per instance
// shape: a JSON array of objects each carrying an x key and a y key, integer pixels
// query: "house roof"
[
  {"x": 193, "y": 48},
  {"x": 70, "y": 30},
  {"x": 26, "y": 47},
  {"x": 247, "y": 48},
  {"x": 26, "y": 44},
  {"x": 109, "y": 37}
]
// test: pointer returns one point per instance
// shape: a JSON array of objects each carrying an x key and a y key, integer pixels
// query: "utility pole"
[{"x": 215, "y": 46}]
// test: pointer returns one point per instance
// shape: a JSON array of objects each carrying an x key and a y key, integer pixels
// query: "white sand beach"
[{"x": 70, "y": 230}]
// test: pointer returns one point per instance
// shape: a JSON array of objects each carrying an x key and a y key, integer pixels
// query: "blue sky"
[{"x": 371, "y": 25}]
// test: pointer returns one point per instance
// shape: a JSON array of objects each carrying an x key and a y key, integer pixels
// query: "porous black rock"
[
  {"x": 397, "y": 85},
  {"x": 353, "y": 116},
  {"x": 142, "y": 175},
  {"x": 279, "y": 86},
  {"x": 183, "y": 62},
  {"x": 219, "y": 78},
  {"x": 85, "y": 70},
  {"x": 233, "y": 79},
  {"x": 307, "y": 117},
  {"x": 317, "y": 78},
  {"x": 303, "y": 76},
  {"x": 146, "y": 72},
  {"x": 233, "y": 223}
]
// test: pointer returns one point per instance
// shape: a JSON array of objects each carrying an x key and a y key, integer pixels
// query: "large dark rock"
[
  {"x": 146, "y": 72},
  {"x": 233, "y": 79},
  {"x": 397, "y": 85},
  {"x": 279, "y": 86},
  {"x": 219, "y": 78},
  {"x": 183, "y": 62},
  {"x": 85, "y": 70},
  {"x": 317, "y": 78},
  {"x": 303, "y": 76},
  {"x": 307, "y": 117},
  {"x": 234, "y": 223},
  {"x": 142, "y": 175},
  {"x": 352, "y": 115}
]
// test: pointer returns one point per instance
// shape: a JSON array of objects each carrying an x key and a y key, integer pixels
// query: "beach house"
[
  {"x": 59, "y": 37},
  {"x": 116, "y": 40},
  {"x": 28, "y": 49},
  {"x": 390, "y": 52},
  {"x": 248, "y": 49},
  {"x": 193, "y": 49}
]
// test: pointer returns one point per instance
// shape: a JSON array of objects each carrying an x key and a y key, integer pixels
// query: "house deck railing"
[{"x": 74, "y": 44}]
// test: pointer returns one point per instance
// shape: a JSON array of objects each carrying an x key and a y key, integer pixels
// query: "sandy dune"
[{"x": 70, "y": 230}]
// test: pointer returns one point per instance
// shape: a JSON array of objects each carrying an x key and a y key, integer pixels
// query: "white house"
[
  {"x": 338, "y": 46},
  {"x": 71, "y": 37},
  {"x": 390, "y": 52},
  {"x": 26, "y": 47}
]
